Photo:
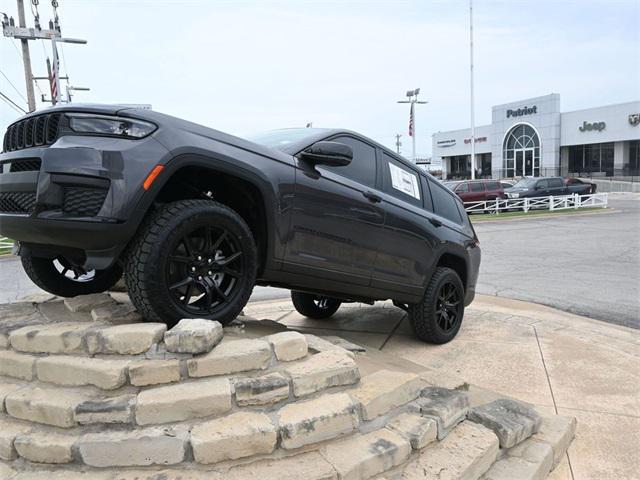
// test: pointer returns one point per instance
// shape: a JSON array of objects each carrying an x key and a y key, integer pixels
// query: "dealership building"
[{"x": 533, "y": 138}]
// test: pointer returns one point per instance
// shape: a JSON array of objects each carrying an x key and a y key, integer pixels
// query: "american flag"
[
  {"x": 54, "y": 77},
  {"x": 411, "y": 121}
]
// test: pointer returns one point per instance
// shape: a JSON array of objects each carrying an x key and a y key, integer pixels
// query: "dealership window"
[
  {"x": 634, "y": 157},
  {"x": 594, "y": 158},
  {"x": 459, "y": 166},
  {"x": 521, "y": 152}
]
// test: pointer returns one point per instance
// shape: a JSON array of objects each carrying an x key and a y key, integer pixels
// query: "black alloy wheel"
[
  {"x": 203, "y": 269},
  {"x": 448, "y": 307}
]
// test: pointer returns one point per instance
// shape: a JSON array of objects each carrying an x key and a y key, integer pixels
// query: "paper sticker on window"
[{"x": 404, "y": 181}]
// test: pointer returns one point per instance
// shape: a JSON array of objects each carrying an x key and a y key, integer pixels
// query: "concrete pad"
[
  {"x": 586, "y": 377},
  {"x": 606, "y": 445},
  {"x": 521, "y": 371},
  {"x": 370, "y": 319}
]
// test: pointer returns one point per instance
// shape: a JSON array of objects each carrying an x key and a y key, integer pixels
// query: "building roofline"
[{"x": 601, "y": 106}]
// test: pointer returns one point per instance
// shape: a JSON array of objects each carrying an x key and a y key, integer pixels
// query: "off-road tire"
[
  {"x": 306, "y": 304},
  {"x": 423, "y": 315},
  {"x": 44, "y": 274},
  {"x": 146, "y": 257}
]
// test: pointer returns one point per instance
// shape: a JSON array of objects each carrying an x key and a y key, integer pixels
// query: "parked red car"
[{"x": 478, "y": 190}]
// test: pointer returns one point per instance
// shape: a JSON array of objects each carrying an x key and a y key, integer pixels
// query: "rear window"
[
  {"x": 493, "y": 186},
  {"x": 555, "y": 182},
  {"x": 477, "y": 187},
  {"x": 462, "y": 188},
  {"x": 444, "y": 203}
]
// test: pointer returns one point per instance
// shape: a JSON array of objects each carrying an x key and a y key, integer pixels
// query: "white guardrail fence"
[
  {"x": 5, "y": 244},
  {"x": 564, "y": 202}
]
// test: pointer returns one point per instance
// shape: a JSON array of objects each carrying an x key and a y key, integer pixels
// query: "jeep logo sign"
[
  {"x": 587, "y": 127},
  {"x": 522, "y": 111}
]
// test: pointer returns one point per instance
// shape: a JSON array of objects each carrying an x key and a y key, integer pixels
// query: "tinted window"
[
  {"x": 542, "y": 184},
  {"x": 506, "y": 185},
  {"x": 426, "y": 195},
  {"x": 493, "y": 186},
  {"x": 401, "y": 181},
  {"x": 555, "y": 182},
  {"x": 477, "y": 187},
  {"x": 463, "y": 188},
  {"x": 444, "y": 203},
  {"x": 362, "y": 168}
]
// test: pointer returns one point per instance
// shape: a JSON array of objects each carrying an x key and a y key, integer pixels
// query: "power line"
[
  {"x": 12, "y": 104},
  {"x": 14, "y": 87}
]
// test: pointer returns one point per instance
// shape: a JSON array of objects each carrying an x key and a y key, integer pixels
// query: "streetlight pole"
[
  {"x": 412, "y": 95},
  {"x": 473, "y": 119}
]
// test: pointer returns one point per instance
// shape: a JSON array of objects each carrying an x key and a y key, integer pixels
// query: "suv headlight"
[{"x": 108, "y": 125}]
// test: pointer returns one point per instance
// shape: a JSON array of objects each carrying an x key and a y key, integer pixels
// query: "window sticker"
[{"x": 404, "y": 181}]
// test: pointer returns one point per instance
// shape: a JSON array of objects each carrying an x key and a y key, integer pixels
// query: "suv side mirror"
[{"x": 334, "y": 154}]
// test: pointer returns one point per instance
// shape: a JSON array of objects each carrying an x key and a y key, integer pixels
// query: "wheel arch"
[{"x": 457, "y": 263}]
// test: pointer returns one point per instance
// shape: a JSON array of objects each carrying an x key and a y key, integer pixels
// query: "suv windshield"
[
  {"x": 526, "y": 183},
  {"x": 280, "y": 139}
]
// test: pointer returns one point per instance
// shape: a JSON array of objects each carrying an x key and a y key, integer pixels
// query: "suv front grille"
[
  {"x": 32, "y": 132},
  {"x": 84, "y": 202},
  {"x": 17, "y": 202}
]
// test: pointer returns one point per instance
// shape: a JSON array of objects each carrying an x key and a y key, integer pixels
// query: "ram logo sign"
[{"x": 634, "y": 119}]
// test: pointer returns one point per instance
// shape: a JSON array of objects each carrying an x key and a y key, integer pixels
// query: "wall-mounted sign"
[
  {"x": 634, "y": 119},
  {"x": 522, "y": 111},
  {"x": 587, "y": 127},
  {"x": 446, "y": 143},
  {"x": 478, "y": 140}
]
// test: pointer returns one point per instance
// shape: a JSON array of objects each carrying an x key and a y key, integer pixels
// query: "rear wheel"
[
  {"x": 59, "y": 277},
  {"x": 191, "y": 259},
  {"x": 438, "y": 317},
  {"x": 314, "y": 306}
]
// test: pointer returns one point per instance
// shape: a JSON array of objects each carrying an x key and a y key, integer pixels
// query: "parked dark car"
[
  {"x": 477, "y": 190},
  {"x": 538, "y": 187},
  {"x": 195, "y": 217},
  {"x": 580, "y": 186}
]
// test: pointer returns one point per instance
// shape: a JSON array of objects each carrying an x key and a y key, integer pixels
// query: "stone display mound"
[{"x": 88, "y": 391}]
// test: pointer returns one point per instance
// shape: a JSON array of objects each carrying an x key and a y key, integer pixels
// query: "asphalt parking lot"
[{"x": 587, "y": 264}]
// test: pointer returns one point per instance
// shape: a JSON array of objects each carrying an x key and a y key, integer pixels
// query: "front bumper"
[{"x": 80, "y": 193}]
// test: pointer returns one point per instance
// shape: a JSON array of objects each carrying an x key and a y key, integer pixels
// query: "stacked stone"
[{"x": 103, "y": 396}]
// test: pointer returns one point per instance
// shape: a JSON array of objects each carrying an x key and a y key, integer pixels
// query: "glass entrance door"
[{"x": 524, "y": 162}]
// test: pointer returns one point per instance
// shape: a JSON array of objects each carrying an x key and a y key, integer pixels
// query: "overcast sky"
[{"x": 246, "y": 66}]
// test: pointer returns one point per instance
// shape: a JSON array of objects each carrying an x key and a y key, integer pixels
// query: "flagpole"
[
  {"x": 473, "y": 120},
  {"x": 413, "y": 132},
  {"x": 56, "y": 72},
  {"x": 412, "y": 95}
]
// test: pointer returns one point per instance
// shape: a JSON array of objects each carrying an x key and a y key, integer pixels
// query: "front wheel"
[
  {"x": 61, "y": 278},
  {"x": 314, "y": 306},
  {"x": 438, "y": 317},
  {"x": 191, "y": 259}
]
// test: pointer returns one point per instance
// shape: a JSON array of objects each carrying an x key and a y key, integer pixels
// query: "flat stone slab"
[
  {"x": 364, "y": 456},
  {"x": 106, "y": 410},
  {"x": 264, "y": 390},
  {"x": 288, "y": 346},
  {"x": 242, "y": 434},
  {"x": 322, "y": 371},
  {"x": 447, "y": 407},
  {"x": 17, "y": 365},
  {"x": 45, "y": 405},
  {"x": 558, "y": 432},
  {"x": 420, "y": 430},
  {"x": 232, "y": 357},
  {"x": 384, "y": 390},
  {"x": 46, "y": 447},
  {"x": 153, "y": 446},
  {"x": 86, "y": 303},
  {"x": 193, "y": 335},
  {"x": 7, "y": 387},
  {"x": 465, "y": 454},
  {"x": 307, "y": 466},
  {"x": 530, "y": 460},
  {"x": 510, "y": 420},
  {"x": 312, "y": 421},
  {"x": 63, "y": 337},
  {"x": 174, "y": 403},
  {"x": 79, "y": 371},
  {"x": 9, "y": 430},
  {"x": 154, "y": 372},
  {"x": 116, "y": 313},
  {"x": 129, "y": 339}
]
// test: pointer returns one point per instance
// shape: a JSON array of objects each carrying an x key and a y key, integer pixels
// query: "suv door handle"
[
  {"x": 372, "y": 196},
  {"x": 435, "y": 222}
]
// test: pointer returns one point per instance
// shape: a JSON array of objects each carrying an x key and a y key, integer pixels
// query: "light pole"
[
  {"x": 473, "y": 117},
  {"x": 412, "y": 95}
]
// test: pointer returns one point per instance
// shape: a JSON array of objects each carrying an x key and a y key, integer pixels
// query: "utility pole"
[
  {"x": 398, "y": 143},
  {"x": 473, "y": 116},
  {"x": 412, "y": 95},
  {"x": 26, "y": 59}
]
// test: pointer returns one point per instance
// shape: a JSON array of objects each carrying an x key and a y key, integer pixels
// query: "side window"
[
  {"x": 362, "y": 168},
  {"x": 542, "y": 184},
  {"x": 426, "y": 194},
  {"x": 444, "y": 203},
  {"x": 400, "y": 181},
  {"x": 462, "y": 188},
  {"x": 477, "y": 187},
  {"x": 555, "y": 183},
  {"x": 493, "y": 186}
]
